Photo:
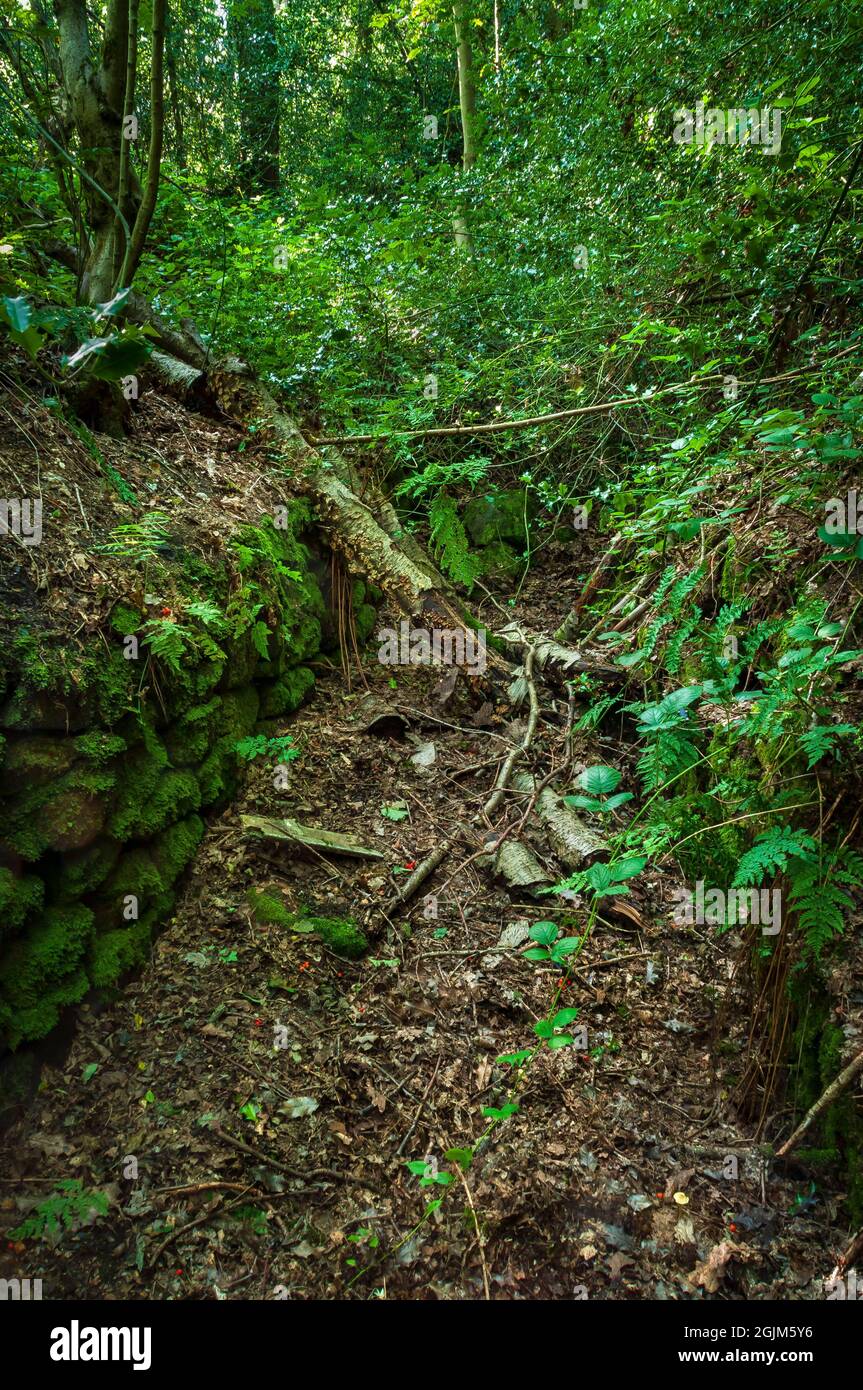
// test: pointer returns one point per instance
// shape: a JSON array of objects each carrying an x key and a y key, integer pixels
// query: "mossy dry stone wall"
[{"x": 113, "y": 745}]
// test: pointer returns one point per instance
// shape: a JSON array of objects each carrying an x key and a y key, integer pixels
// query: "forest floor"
[{"x": 611, "y": 1182}]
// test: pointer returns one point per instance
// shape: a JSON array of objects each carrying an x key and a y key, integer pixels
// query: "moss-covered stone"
[
  {"x": 365, "y": 618},
  {"x": 341, "y": 934},
  {"x": 287, "y": 693},
  {"x": 135, "y": 874},
  {"x": 142, "y": 769},
  {"x": 36, "y": 760},
  {"x": 106, "y": 769},
  {"x": 82, "y": 871},
  {"x": 505, "y": 516},
  {"x": 20, "y": 897},
  {"x": 30, "y": 1022},
  {"x": 175, "y": 848},
  {"x": 189, "y": 740},
  {"x": 66, "y": 814},
  {"x": 175, "y": 794},
  {"x": 217, "y": 774},
  {"x": 500, "y": 561},
  {"x": 51, "y": 950},
  {"x": 238, "y": 713},
  {"x": 113, "y": 953}
]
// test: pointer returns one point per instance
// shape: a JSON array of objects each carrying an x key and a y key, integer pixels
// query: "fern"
[
  {"x": 820, "y": 741},
  {"x": 450, "y": 544},
  {"x": 770, "y": 854},
  {"x": 66, "y": 1209},
  {"x": 167, "y": 642},
  {"x": 819, "y": 903},
  {"x": 669, "y": 755}
]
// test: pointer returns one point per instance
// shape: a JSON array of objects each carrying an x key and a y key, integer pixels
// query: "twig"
[
  {"x": 835, "y": 1088},
  {"x": 401, "y": 1148},
  {"x": 599, "y": 408},
  {"x": 479, "y": 1239},
  {"x": 332, "y": 1173}
]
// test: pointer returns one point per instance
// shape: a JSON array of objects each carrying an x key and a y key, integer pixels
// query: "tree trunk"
[
  {"x": 95, "y": 93},
  {"x": 467, "y": 107}
]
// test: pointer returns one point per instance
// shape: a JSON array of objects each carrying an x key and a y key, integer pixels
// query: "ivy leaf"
[
  {"x": 563, "y": 1017},
  {"x": 560, "y": 1040}
]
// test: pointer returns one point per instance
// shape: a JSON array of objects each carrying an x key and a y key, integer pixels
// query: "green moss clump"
[
  {"x": 137, "y": 875},
  {"x": 238, "y": 713},
  {"x": 34, "y": 1021},
  {"x": 175, "y": 848},
  {"x": 141, "y": 772},
  {"x": 217, "y": 774},
  {"x": 19, "y": 897},
  {"x": 503, "y": 517},
  {"x": 189, "y": 740},
  {"x": 287, "y": 693},
  {"x": 113, "y": 953},
  {"x": 52, "y": 949},
  {"x": 100, "y": 746},
  {"x": 65, "y": 815},
  {"x": 83, "y": 870},
  {"x": 36, "y": 760},
  {"x": 341, "y": 934},
  {"x": 174, "y": 796},
  {"x": 500, "y": 561},
  {"x": 125, "y": 620},
  {"x": 365, "y": 618}
]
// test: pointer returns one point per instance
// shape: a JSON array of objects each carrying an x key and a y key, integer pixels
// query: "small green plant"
[
  {"x": 549, "y": 947},
  {"x": 280, "y": 750},
  {"x": 71, "y": 1206},
  {"x": 598, "y": 783},
  {"x": 601, "y": 880}
]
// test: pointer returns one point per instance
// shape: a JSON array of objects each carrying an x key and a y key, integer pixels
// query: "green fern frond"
[
  {"x": 450, "y": 544},
  {"x": 771, "y": 853}
]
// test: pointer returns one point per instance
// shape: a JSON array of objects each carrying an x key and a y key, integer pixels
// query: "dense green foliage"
[{"x": 320, "y": 213}]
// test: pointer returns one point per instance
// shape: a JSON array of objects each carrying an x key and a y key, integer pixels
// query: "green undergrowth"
[{"x": 341, "y": 935}]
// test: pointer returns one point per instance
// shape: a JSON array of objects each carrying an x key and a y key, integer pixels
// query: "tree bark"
[
  {"x": 95, "y": 92},
  {"x": 467, "y": 108}
]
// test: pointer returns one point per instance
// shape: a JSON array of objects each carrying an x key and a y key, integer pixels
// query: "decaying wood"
[
  {"x": 574, "y": 843},
  {"x": 309, "y": 836},
  {"x": 519, "y": 867},
  {"x": 550, "y": 655},
  {"x": 184, "y": 382}
]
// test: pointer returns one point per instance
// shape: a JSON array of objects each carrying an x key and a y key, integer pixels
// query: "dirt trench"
[{"x": 248, "y": 1105}]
